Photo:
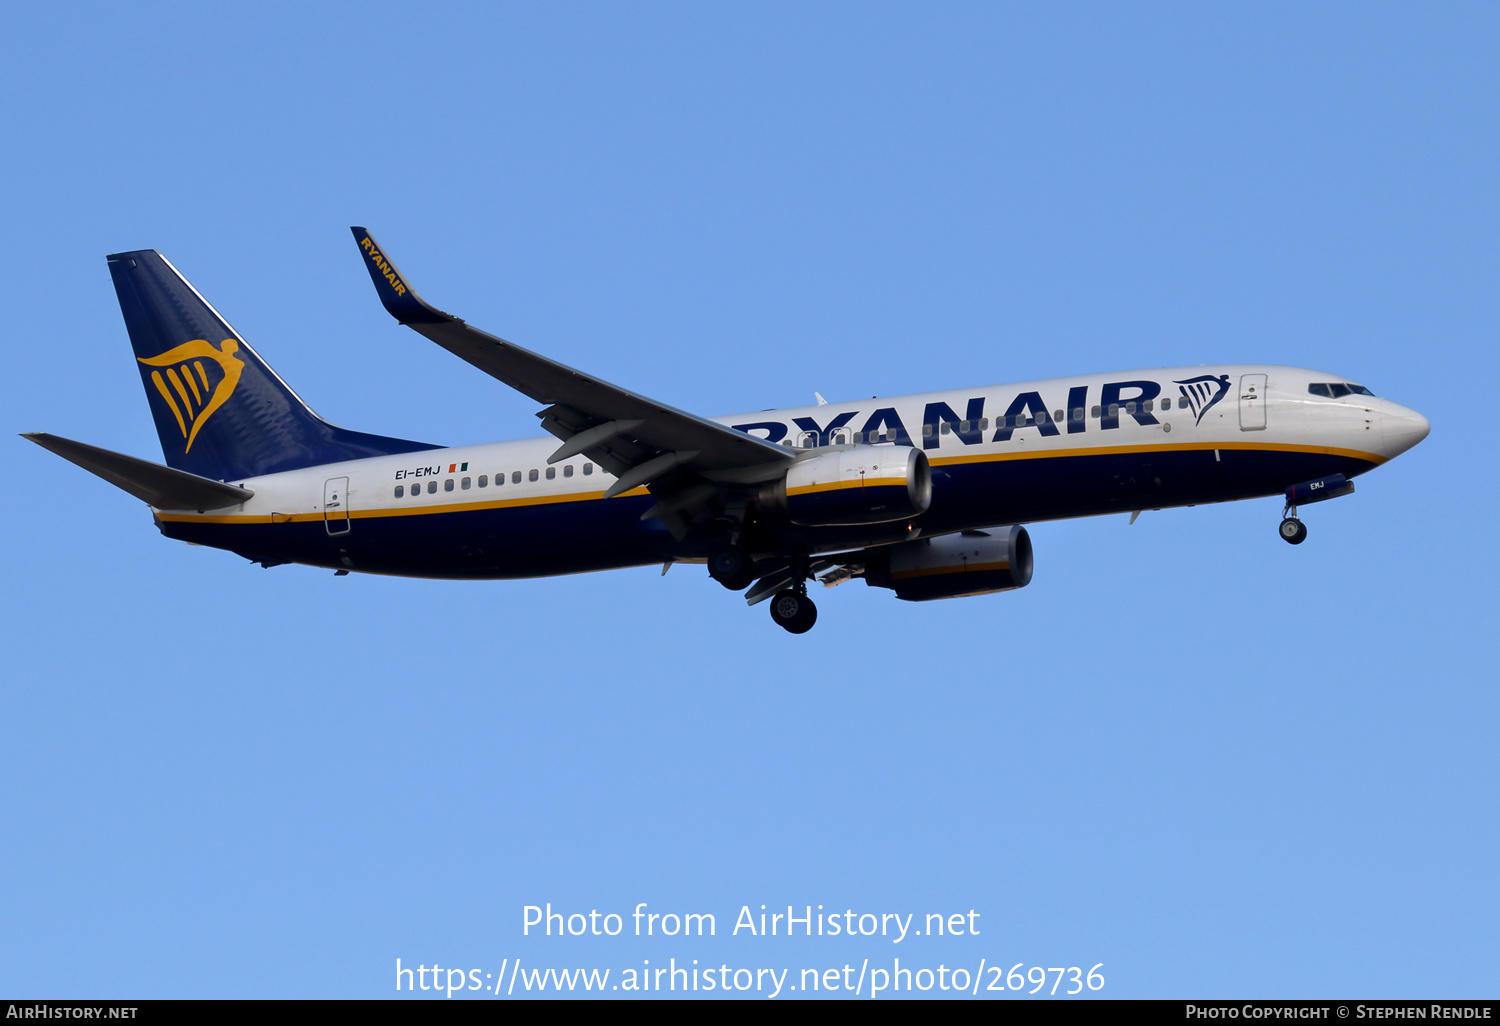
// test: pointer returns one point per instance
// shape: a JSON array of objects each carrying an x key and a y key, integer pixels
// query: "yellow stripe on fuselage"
[
  {"x": 1114, "y": 450},
  {"x": 397, "y": 511},
  {"x": 537, "y": 500}
]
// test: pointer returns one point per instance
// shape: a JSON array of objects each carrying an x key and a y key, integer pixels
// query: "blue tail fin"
[{"x": 220, "y": 411}]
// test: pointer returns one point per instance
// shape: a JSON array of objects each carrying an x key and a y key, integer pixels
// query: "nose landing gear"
[{"x": 1293, "y": 531}]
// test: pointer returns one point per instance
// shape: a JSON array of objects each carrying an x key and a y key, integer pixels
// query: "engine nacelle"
[
  {"x": 863, "y": 484},
  {"x": 953, "y": 565}
]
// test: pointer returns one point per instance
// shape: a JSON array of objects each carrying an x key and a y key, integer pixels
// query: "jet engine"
[
  {"x": 953, "y": 565},
  {"x": 861, "y": 484}
]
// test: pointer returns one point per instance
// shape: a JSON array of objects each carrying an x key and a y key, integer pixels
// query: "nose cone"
[{"x": 1403, "y": 428}]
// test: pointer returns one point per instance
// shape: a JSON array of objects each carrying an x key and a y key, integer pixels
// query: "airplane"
[{"x": 924, "y": 495}]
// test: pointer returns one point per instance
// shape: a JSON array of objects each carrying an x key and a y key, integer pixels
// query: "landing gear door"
[
  {"x": 336, "y": 505},
  {"x": 1252, "y": 402}
]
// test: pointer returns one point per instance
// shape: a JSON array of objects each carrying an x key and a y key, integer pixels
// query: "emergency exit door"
[
  {"x": 336, "y": 505},
  {"x": 1252, "y": 402}
]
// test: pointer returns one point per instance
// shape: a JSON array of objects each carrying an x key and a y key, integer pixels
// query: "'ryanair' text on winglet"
[{"x": 398, "y": 298}]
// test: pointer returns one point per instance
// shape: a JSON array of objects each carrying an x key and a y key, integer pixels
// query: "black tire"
[
  {"x": 793, "y": 612},
  {"x": 1293, "y": 531},
  {"x": 731, "y": 568}
]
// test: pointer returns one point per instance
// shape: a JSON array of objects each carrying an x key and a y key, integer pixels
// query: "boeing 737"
[{"x": 924, "y": 495}]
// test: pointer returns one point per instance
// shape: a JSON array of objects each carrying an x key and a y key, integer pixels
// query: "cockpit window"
[{"x": 1338, "y": 389}]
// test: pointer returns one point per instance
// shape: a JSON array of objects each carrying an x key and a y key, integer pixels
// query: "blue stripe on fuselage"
[{"x": 565, "y": 537}]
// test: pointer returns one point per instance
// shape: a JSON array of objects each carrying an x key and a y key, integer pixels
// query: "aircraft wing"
[{"x": 639, "y": 440}]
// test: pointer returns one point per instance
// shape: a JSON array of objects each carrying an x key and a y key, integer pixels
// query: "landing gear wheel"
[
  {"x": 731, "y": 568},
  {"x": 1293, "y": 531},
  {"x": 793, "y": 612}
]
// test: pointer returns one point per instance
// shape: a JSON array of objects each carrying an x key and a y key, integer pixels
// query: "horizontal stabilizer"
[{"x": 152, "y": 483}]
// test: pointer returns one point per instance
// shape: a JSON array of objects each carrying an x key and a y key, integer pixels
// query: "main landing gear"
[
  {"x": 793, "y": 611},
  {"x": 732, "y": 568},
  {"x": 1293, "y": 531}
]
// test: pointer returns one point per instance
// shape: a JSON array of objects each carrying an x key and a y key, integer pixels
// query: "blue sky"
[{"x": 1215, "y": 763}]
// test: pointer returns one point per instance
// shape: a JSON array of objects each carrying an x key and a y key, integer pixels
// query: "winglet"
[{"x": 400, "y": 299}]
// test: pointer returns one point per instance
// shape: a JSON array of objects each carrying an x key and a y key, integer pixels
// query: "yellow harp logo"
[{"x": 185, "y": 386}]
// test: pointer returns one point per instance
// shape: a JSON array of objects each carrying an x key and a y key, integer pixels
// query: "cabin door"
[
  {"x": 336, "y": 505},
  {"x": 1252, "y": 402}
]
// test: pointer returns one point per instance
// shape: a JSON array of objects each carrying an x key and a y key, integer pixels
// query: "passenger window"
[
  {"x": 946, "y": 427},
  {"x": 1338, "y": 390},
  {"x": 1149, "y": 405},
  {"x": 515, "y": 477},
  {"x": 431, "y": 487},
  {"x": 984, "y": 423},
  {"x": 1130, "y": 408},
  {"x": 448, "y": 485},
  {"x": 1166, "y": 404},
  {"x": 1057, "y": 415},
  {"x": 568, "y": 470},
  {"x": 551, "y": 473},
  {"x": 926, "y": 430},
  {"x": 1094, "y": 413},
  {"x": 464, "y": 483},
  {"x": 1078, "y": 412},
  {"x": 400, "y": 491},
  {"x": 588, "y": 468},
  {"x": 484, "y": 479},
  {"x": 1114, "y": 409},
  {"x": 532, "y": 476}
]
